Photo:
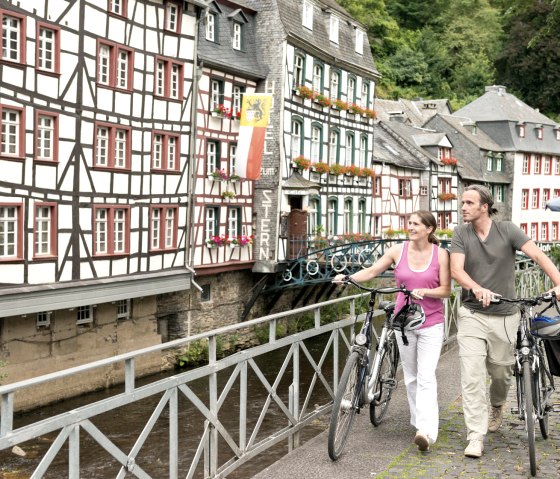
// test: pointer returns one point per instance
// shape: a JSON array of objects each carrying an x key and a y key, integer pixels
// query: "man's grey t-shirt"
[{"x": 491, "y": 263}]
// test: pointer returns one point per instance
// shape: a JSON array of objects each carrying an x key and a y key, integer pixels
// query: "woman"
[{"x": 423, "y": 267}]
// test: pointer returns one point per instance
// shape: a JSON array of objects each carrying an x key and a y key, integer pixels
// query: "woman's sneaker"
[{"x": 475, "y": 448}]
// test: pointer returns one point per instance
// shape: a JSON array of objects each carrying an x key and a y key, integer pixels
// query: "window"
[
  {"x": 403, "y": 222},
  {"x": 212, "y": 156},
  {"x": 523, "y": 226},
  {"x": 11, "y": 232},
  {"x": 335, "y": 85},
  {"x": 163, "y": 227},
  {"x": 45, "y": 230},
  {"x": 521, "y": 131},
  {"x": 316, "y": 143},
  {"x": 547, "y": 165},
  {"x": 349, "y": 152},
  {"x": 557, "y": 166},
  {"x": 111, "y": 230},
  {"x": 43, "y": 319},
  {"x": 405, "y": 188},
  {"x": 238, "y": 40},
  {"x": 499, "y": 162},
  {"x": 313, "y": 216},
  {"x": 444, "y": 185},
  {"x": 13, "y": 37},
  {"x": 524, "y": 199},
  {"x": 84, "y": 315},
  {"x": 556, "y": 194},
  {"x": 123, "y": 309},
  {"x": 296, "y": 148},
  {"x": 444, "y": 220},
  {"x": 333, "y": 31},
  {"x": 377, "y": 185},
  {"x": 234, "y": 222},
  {"x": 168, "y": 79},
  {"x": 299, "y": 70},
  {"x": 498, "y": 193},
  {"x": 348, "y": 215},
  {"x": 165, "y": 151},
  {"x": 557, "y": 130},
  {"x": 539, "y": 133},
  {"x": 351, "y": 94},
  {"x": 118, "y": 7},
  {"x": 334, "y": 141},
  {"x": 232, "y": 158},
  {"x": 364, "y": 99},
  {"x": 48, "y": 48},
  {"x": 545, "y": 197},
  {"x": 332, "y": 216},
  {"x": 535, "y": 199},
  {"x": 362, "y": 216},
  {"x": 307, "y": 19},
  {"x": 363, "y": 151},
  {"x": 112, "y": 147},
  {"x": 444, "y": 152},
  {"x": 115, "y": 65},
  {"x": 359, "y": 48},
  {"x": 544, "y": 231},
  {"x": 212, "y": 222},
  {"x": 376, "y": 225},
  {"x": 211, "y": 27},
  {"x": 237, "y": 99},
  {"x": 423, "y": 190},
  {"x": 46, "y": 135},
  {"x": 318, "y": 78},
  {"x": 537, "y": 165},
  {"x": 526, "y": 168},
  {"x": 13, "y": 143},
  {"x": 489, "y": 163},
  {"x": 173, "y": 17},
  {"x": 554, "y": 231},
  {"x": 216, "y": 94}
]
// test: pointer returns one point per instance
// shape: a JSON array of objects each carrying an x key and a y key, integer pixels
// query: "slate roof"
[
  {"x": 415, "y": 112},
  {"x": 481, "y": 139},
  {"x": 220, "y": 53},
  {"x": 498, "y": 105},
  {"x": 388, "y": 149},
  {"x": 343, "y": 53}
]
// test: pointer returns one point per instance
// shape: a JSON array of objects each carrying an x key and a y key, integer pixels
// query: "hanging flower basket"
[
  {"x": 218, "y": 175},
  {"x": 450, "y": 161},
  {"x": 340, "y": 104},
  {"x": 215, "y": 241},
  {"x": 305, "y": 92},
  {"x": 323, "y": 100},
  {"x": 301, "y": 163},
  {"x": 353, "y": 170},
  {"x": 228, "y": 195},
  {"x": 321, "y": 167},
  {"x": 337, "y": 169},
  {"x": 221, "y": 111},
  {"x": 447, "y": 196},
  {"x": 356, "y": 109},
  {"x": 240, "y": 241}
]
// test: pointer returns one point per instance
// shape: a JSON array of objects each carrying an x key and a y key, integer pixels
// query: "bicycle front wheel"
[
  {"x": 385, "y": 382},
  {"x": 528, "y": 394},
  {"x": 543, "y": 389},
  {"x": 346, "y": 404}
]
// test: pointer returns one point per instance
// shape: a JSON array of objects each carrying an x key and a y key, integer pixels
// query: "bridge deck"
[{"x": 388, "y": 451}]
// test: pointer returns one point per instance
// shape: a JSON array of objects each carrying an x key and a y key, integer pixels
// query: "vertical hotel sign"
[{"x": 255, "y": 112}]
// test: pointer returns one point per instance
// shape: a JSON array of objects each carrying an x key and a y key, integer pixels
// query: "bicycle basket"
[{"x": 546, "y": 327}]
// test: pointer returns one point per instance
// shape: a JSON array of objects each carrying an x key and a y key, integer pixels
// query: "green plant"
[
  {"x": 357, "y": 109},
  {"x": 323, "y": 100},
  {"x": 337, "y": 169},
  {"x": 228, "y": 194},
  {"x": 370, "y": 113},
  {"x": 196, "y": 353},
  {"x": 305, "y": 92},
  {"x": 318, "y": 230},
  {"x": 340, "y": 104},
  {"x": 353, "y": 170},
  {"x": 555, "y": 254},
  {"x": 302, "y": 163},
  {"x": 366, "y": 172}
]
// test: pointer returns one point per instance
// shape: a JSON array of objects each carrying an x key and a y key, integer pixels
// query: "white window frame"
[
  {"x": 359, "y": 47},
  {"x": 43, "y": 234},
  {"x": 234, "y": 222},
  {"x": 349, "y": 150},
  {"x": 232, "y": 158},
  {"x": 13, "y": 36},
  {"x": 212, "y": 156},
  {"x": 172, "y": 17},
  {"x": 334, "y": 86},
  {"x": 296, "y": 136},
  {"x": 123, "y": 309},
  {"x": 46, "y": 129},
  {"x": 307, "y": 17},
  {"x": 333, "y": 28},
  {"x": 237, "y": 35},
  {"x": 84, "y": 314},
  {"x": 348, "y": 215},
  {"x": 210, "y": 33},
  {"x": 316, "y": 144},
  {"x": 317, "y": 78},
  {"x": 11, "y": 132},
  {"x": 43, "y": 319},
  {"x": 363, "y": 151},
  {"x": 211, "y": 222},
  {"x": 47, "y": 48},
  {"x": 299, "y": 65},
  {"x": 10, "y": 230}
]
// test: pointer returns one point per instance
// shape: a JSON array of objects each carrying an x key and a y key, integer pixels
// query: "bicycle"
[
  {"x": 534, "y": 382},
  {"x": 366, "y": 379}
]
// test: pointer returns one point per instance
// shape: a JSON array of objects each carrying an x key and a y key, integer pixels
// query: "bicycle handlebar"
[
  {"x": 387, "y": 290},
  {"x": 546, "y": 297}
]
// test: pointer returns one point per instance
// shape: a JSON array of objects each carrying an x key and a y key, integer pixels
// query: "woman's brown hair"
[{"x": 429, "y": 221}]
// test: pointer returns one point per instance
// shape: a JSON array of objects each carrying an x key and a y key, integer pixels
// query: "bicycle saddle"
[{"x": 387, "y": 306}]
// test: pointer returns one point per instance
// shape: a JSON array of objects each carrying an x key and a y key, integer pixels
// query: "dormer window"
[
  {"x": 359, "y": 48},
  {"x": 333, "y": 36},
  {"x": 521, "y": 131},
  {"x": 237, "y": 36},
  {"x": 557, "y": 134},
  {"x": 211, "y": 30},
  {"x": 539, "y": 132},
  {"x": 307, "y": 19}
]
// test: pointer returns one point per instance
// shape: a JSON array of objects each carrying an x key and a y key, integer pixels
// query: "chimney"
[{"x": 499, "y": 89}]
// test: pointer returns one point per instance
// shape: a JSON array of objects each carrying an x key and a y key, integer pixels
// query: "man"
[{"x": 483, "y": 263}]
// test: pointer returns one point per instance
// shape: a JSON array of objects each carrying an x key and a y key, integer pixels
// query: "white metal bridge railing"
[{"x": 219, "y": 449}]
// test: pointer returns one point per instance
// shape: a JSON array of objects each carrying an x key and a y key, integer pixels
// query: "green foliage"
[
  {"x": 555, "y": 255},
  {"x": 2, "y": 376}
]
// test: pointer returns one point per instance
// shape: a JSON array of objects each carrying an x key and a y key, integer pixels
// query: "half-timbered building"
[{"x": 95, "y": 101}]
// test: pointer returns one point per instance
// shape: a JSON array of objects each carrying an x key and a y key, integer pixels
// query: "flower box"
[
  {"x": 218, "y": 175},
  {"x": 447, "y": 196},
  {"x": 449, "y": 161},
  {"x": 321, "y": 167},
  {"x": 301, "y": 163},
  {"x": 305, "y": 92}
]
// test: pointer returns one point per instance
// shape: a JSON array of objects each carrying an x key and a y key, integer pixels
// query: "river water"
[{"x": 124, "y": 425}]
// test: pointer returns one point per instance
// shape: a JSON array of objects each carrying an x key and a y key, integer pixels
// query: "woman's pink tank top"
[{"x": 427, "y": 278}]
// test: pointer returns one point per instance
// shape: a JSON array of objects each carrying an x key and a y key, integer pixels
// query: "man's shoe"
[
  {"x": 475, "y": 448},
  {"x": 422, "y": 441},
  {"x": 495, "y": 418}
]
